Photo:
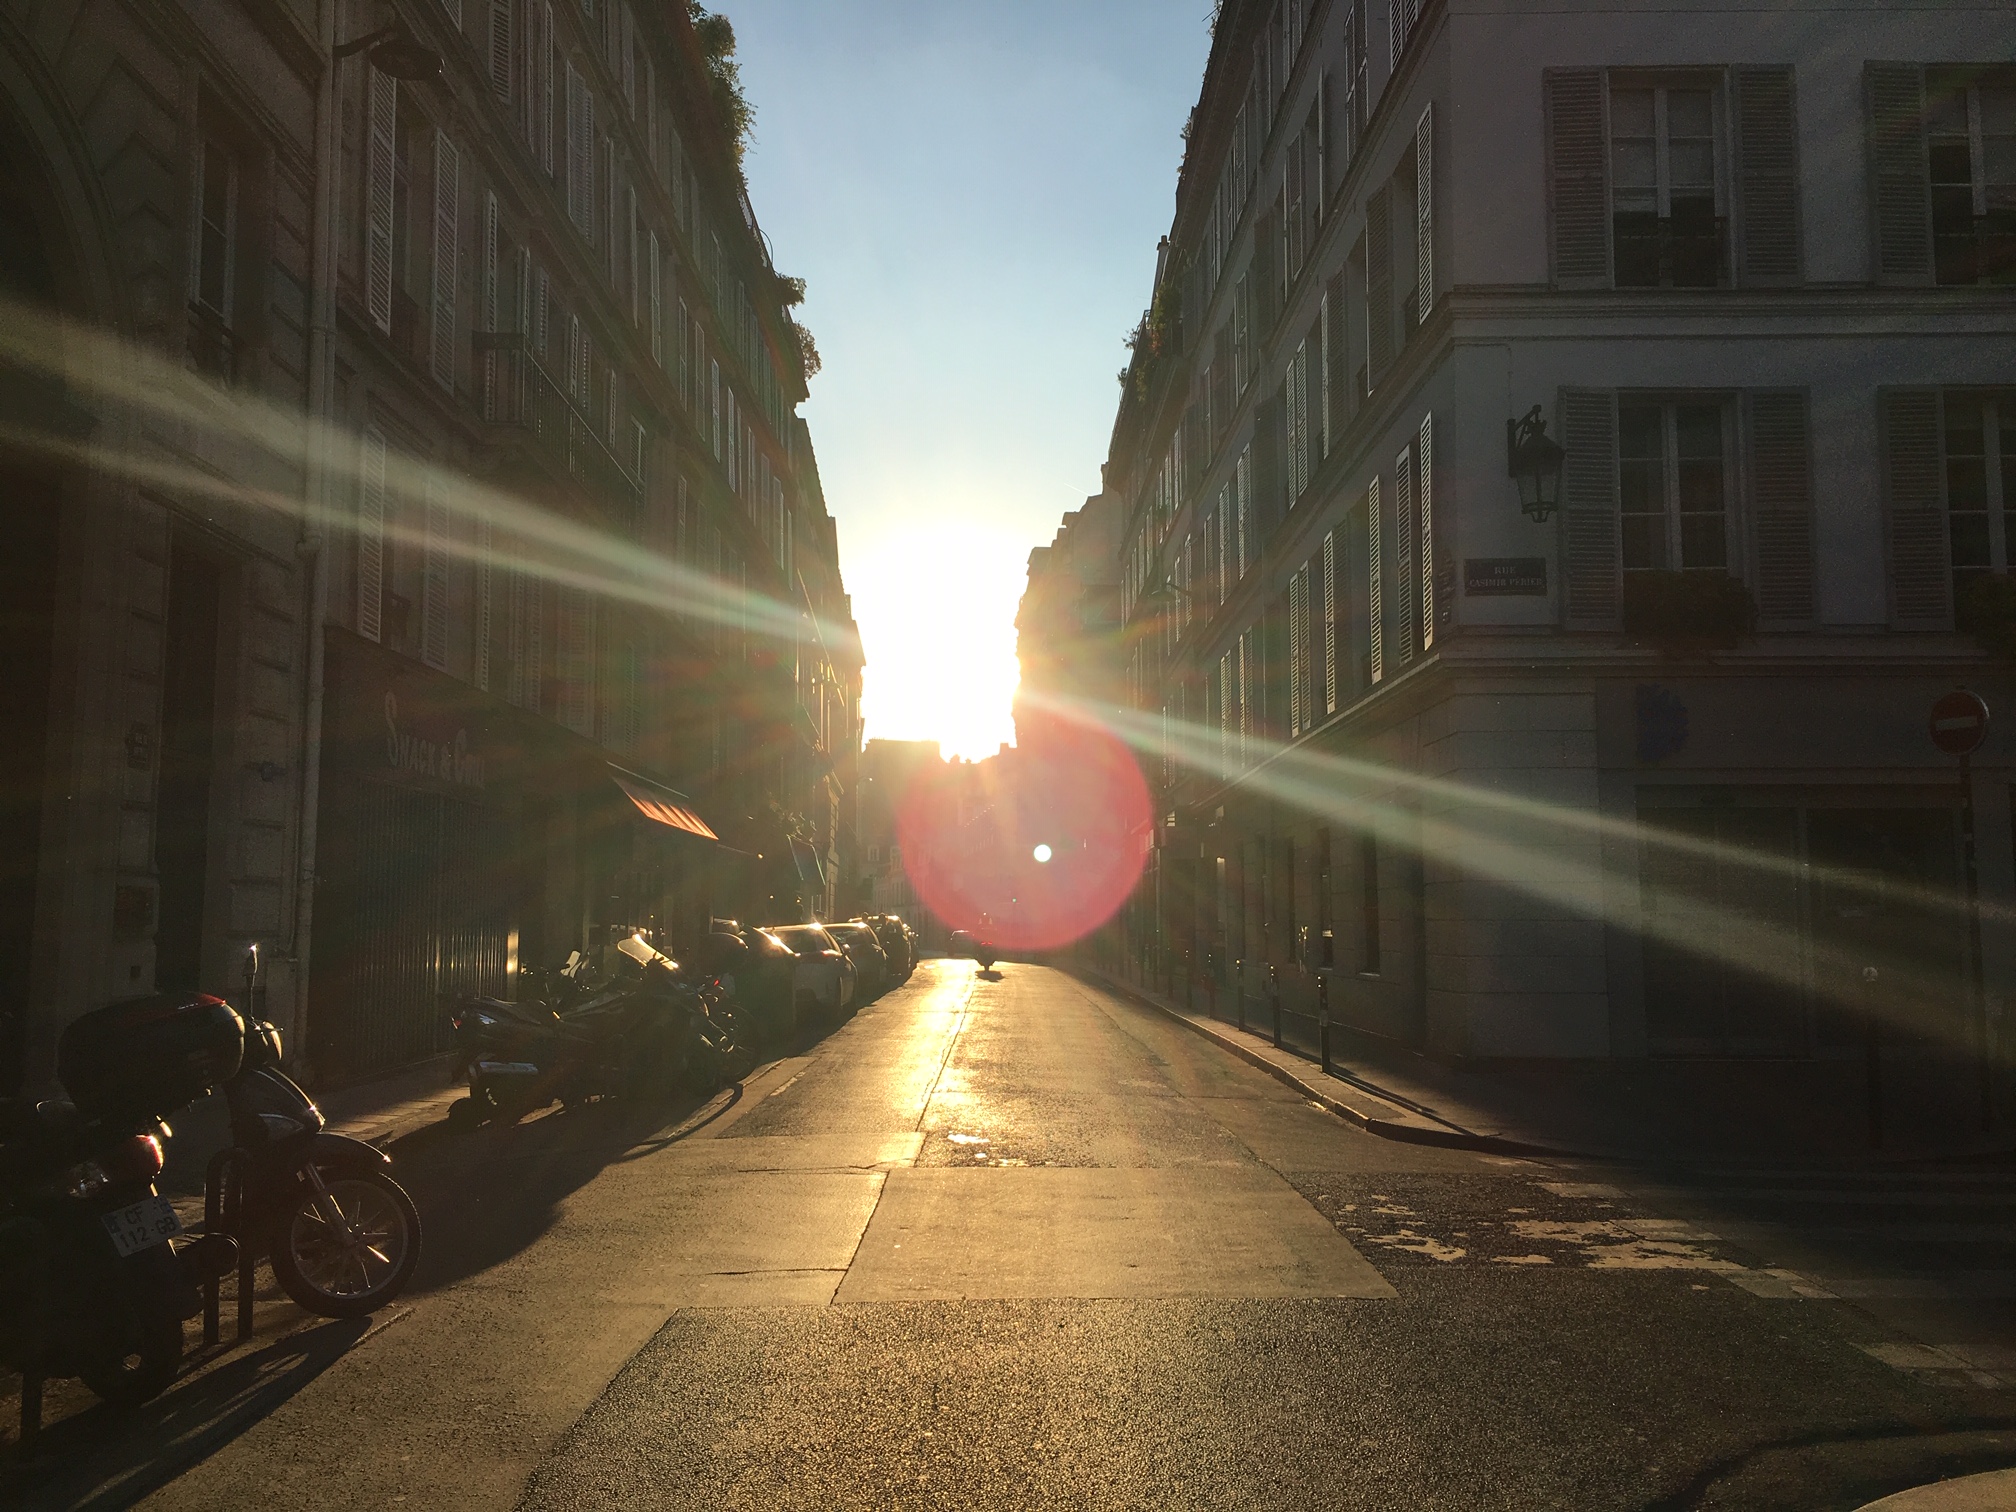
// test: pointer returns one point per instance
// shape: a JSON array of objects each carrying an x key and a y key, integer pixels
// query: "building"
[
  {"x": 888, "y": 770},
  {"x": 1068, "y": 621},
  {"x": 1647, "y": 773},
  {"x": 533, "y": 631}
]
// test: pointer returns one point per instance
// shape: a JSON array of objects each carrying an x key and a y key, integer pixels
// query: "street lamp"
[
  {"x": 1535, "y": 462},
  {"x": 393, "y": 50}
]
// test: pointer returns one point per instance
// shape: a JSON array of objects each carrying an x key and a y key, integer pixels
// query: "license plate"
[{"x": 142, "y": 1225}]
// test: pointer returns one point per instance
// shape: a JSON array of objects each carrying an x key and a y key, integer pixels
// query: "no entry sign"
[{"x": 1959, "y": 722}]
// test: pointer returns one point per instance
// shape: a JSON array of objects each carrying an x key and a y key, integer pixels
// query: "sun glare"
[{"x": 936, "y": 605}]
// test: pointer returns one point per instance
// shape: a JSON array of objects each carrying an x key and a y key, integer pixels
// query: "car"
[
  {"x": 898, "y": 941},
  {"x": 870, "y": 960},
  {"x": 760, "y": 973},
  {"x": 826, "y": 975}
]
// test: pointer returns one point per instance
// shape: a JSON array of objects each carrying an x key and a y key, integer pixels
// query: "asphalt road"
[{"x": 1018, "y": 1243}]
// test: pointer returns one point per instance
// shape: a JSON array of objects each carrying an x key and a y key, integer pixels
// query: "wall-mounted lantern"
[
  {"x": 393, "y": 50},
  {"x": 1534, "y": 461}
]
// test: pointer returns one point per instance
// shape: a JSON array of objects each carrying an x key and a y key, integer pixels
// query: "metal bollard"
[{"x": 224, "y": 1213}]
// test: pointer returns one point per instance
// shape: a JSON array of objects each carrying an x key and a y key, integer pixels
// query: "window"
[
  {"x": 1673, "y": 486},
  {"x": 1979, "y": 435},
  {"x": 1970, "y": 141},
  {"x": 1666, "y": 230},
  {"x": 214, "y": 263}
]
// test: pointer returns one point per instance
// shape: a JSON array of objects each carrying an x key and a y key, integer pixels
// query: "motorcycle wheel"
[
  {"x": 145, "y": 1369},
  {"x": 359, "y": 1269}
]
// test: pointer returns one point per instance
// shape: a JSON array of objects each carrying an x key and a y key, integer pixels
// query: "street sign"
[{"x": 1959, "y": 722}]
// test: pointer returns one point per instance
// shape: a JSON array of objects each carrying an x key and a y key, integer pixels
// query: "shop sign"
[{"x": 449, "y": 761}]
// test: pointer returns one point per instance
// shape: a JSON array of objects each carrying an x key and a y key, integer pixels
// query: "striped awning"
[{"x": 661, "y": 804}]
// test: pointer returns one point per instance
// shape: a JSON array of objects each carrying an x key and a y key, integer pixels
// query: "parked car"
[
  {"x": 899, "y": 943},
  {"x": 826, "y": 976},
  {"x": 758, "y": 973},
  {"x": 871, "y": 962}
]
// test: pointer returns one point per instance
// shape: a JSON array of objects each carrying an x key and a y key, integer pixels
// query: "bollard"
[
  {"x": 224, "y": 1213},
  {"x": 1274, "y": 994},
  {"x": 1239, "y": 991}
]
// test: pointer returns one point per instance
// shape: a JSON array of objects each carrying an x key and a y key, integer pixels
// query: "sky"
[{"x": 972, "y": 191}]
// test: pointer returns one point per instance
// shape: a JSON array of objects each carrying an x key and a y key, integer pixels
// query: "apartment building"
[
  {"x": 1469, "y": 729},
  {"x": 533, "y": 632}
]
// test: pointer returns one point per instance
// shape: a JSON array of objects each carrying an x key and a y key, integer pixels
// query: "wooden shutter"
[
  {"x": 1767, "y": 177},
  {"x": 1298, "y": 607},
  {"x": 491, "y": 296},
  {"x": 654, "y": 273},
  {"x": 1424, "y": 214},
  {"x": 485, "y": 552},
  {"x": 1900, "y": 178},
  {"x": 447, "y": 198},
  {"x": 1375, "y": 588},
  {"x": 1921, "y": 574},
  {"x": 1424, "y": 493},
  {"x": 1780, "y": 468},
  {"x": 1578, "y": 177},
  {"x": 1379, "y": 281},
  {"x": 1330, "y": 623},
  {"x": 500, "y": 48},
  {"x": 580, "y": 152},
  {"x": 371, "y": 534},
  {"x": 1403, "y": 553},
  {"x": 1591, "y": 564},
  {"x": 547, "y": 51},
  {"x": 382, "y": 105},
  {"x": 434, "y": 574}
]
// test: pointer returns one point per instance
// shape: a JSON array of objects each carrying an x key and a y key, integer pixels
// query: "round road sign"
[{"x": 1959, "y": 722}]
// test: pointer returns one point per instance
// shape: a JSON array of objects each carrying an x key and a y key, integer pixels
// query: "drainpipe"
[{"x": 313, "y": 545}]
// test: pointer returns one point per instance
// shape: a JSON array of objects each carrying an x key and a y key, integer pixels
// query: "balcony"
[
  {"x": 1677, "y": 252},
  {"x": 520, "y": 395}
]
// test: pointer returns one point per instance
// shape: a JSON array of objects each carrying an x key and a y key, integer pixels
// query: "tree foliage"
[{"x": 717, "y": 46}]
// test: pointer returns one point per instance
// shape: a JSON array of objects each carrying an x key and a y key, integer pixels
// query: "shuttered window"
[
  {"x": 1379, "y": 282},
  {"x": 1779, "y": 470},
  {"x": 655, "y": 278},
  {"x": 1330, "y": 623},
  {"x": 1914, "y": 497},
  {"x": 1589, "y": 526},
  {"x": 1298, "y": 650},
  {"x": 1970, "y": 141},
  {"x": 580, "y": 153},
  {"x": 447, "y": 257},
  {"x": 492, "y": 313},
  {"x": 479, "y": 672},
  {"x": 1404, "y": 598},
  {"x": 1950, "y": 487},
  {"x": 1578, "y": 179},
  {"x": 434, "y": 574},
  {"x": 371, "y": 533},
  {"x": 1375, "y": 588},
  {"x": 501, "y": 50},
  {"x": 381, "y": 168},
  {"x": 1673, "y": 485},
  {"x": 1424, "y": 214},
  {"x": 1900, "y": 186},
  {"x": 1424, "y": 487}
]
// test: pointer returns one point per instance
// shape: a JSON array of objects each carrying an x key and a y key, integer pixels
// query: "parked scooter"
[
  {"x": 342, "y": 1235},
  {"x": 91, "y": 1284},
  {"x": 648, "y": 1028}
]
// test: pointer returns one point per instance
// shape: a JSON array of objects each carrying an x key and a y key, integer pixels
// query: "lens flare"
[{"x": 970, "y": 842}]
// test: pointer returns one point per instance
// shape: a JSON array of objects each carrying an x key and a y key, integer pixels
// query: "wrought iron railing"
[
  {"x": 1671, "y": 253},
  {"x": 519, "y": 394}
]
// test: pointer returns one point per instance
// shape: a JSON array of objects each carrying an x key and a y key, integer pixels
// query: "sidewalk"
[{"x": 1675, "y": 1112}]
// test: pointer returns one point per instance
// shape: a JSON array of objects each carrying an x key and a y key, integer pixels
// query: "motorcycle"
[
  {"x": 342, "y": 1236},
  {"x": 92, "y": 1283},
  {"x": 649, "y": 1027}
]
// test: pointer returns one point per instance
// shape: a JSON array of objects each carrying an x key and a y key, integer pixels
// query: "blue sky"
[{"x": 973, "y": 193}]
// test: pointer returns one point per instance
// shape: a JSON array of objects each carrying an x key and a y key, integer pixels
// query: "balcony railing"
[
  {"x": 1976, "y": 249},
  {"x": 521, "y": 395},
  {"x": 1674, "y": 253}
]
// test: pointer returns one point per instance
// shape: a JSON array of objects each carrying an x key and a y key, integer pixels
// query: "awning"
[{"x": 661, "y": 803}]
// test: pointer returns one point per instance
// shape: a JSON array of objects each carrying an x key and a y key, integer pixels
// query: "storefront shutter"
[
  {"x": 1921, "y": 583},
  {"x": 371, "y": 533},
  {"x": 1578, "y": 178},
  {"x": 1379, "y": 281},
  {"x": 382, "y": 105},
  {"x": 447, "y": 255},
  {"x": 1424, "y": 215},
  {"x": 1767, "y": 174},
  {"x": 1591, "y": 565},
  {"x": 1780, "y": 469},
  {"x": 1900, "y": 178},
  {"x": 434, "y": 574},
  {"x": 1375, "y": 594}
]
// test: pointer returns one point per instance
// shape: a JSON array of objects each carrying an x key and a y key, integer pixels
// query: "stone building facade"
[
  {"x": 1496, "y": 782},
  {"x": 421, "y": 567}
]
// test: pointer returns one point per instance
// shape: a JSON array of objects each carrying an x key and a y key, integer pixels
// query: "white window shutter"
[
  {"x": 546, "y": 73},
  {"x": 500, "y": 48},
  {"x": 654, "y": 273},
  {"x": 447, "y": 254},
  {"x": 1424, "y": 214},
  {"x": 1403, "y": 551},
  {"x": 434, "y": 574},
  {"x": 492, "y": 314},
  {"x": 371, "y": 534},
  {"x": 1298, "y": 608},
  {"x": 635, "y": 271},
  {"x": 1330, "y": 623},
  {"x": 1592, "y": 565},
  {"x": 1424, "y": 494},
  {"x": 1375, "y": 587},
  {"x": 383, "y": 109}
]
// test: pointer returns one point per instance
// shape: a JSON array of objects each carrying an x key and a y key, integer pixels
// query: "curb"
[{"x": 1373, "y": 1110}]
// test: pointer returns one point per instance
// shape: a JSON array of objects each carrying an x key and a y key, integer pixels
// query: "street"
[{"x": 1012, "y": 1241}]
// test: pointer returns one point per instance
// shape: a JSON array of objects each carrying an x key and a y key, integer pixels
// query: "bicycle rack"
[{"x": 224, "y": 1213}]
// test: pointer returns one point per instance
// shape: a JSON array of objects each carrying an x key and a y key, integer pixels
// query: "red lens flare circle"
[{"x": 971, "y": 837}]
